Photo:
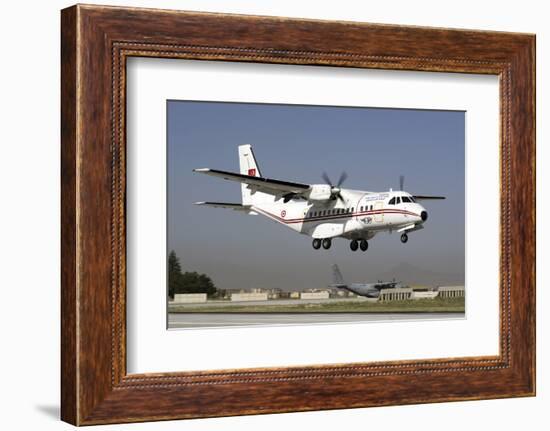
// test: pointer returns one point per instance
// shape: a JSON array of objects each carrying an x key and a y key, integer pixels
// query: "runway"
[{"x": 216, "y": 320}]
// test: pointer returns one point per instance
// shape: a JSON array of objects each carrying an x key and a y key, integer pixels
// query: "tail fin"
[
  {"x": 249, "y": 166},
  {"x": 338, "y": 279},
  {"x": 247, "y": 161}
]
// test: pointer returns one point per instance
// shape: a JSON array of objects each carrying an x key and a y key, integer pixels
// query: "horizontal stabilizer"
[
  {"x": 236, "y": 207},
  {"x": 265, "y": 185}
]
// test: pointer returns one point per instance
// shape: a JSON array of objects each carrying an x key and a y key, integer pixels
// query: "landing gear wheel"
[
  {"x": 316, "y": 244},
  {"x": 327, "y": 242},
  {"x": 404, "y": 238},
  {"x": 354, "y": 245},
  {"x": 364, "y": 245}
]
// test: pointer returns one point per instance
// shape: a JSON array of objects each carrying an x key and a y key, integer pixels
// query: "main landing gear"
[
  {"x": 404, "y": 238},
  {"x": 317, "y": 243},
  {"x": 363, "y": 244}
]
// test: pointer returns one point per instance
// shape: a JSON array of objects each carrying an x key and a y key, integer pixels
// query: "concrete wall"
[
  {"x": 397, "y": 294},
  {"x": 249, "y": 297},
  {"x": 451, "y": 291},
  {"x": 189, "y": 298},
  {"x": 314, "y": 295},
  {"x": 424, "y": 295}
]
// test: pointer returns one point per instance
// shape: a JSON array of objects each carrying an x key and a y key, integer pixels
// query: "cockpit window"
[
  {"x": 397, "y": 200},
  {"x": 392, "y": 201},
  {"x": 405, "y": 199},
  {"x": 412, "y": 199}
]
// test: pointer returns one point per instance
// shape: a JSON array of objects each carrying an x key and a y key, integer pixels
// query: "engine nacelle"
[{"x": 320, "y": 192}]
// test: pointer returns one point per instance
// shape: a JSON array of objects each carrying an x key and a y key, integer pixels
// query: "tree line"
[{"x": 187, "y": 282}]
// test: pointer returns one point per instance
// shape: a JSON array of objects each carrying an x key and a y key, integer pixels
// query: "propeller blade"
[
  {"x": 401, "y": 182},
  {"x": 342, "y": 178},
  {"x": 326, "y": 178}
]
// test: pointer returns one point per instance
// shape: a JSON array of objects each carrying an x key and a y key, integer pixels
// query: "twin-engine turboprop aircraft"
[{"x": 323, "y": 211}]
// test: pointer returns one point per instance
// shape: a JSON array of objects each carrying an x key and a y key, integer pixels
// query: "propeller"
[
  {"x": 335, "y": 189},
  {"x": 401, "y": 182}
]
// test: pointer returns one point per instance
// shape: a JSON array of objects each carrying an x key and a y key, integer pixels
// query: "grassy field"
[{"x": 441, "y": 305}]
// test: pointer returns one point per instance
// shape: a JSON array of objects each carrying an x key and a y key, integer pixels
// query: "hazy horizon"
[{"x": 297, "y": 143}]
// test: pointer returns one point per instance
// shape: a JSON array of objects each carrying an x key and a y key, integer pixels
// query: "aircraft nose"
[{"x": 424, "y": 215}]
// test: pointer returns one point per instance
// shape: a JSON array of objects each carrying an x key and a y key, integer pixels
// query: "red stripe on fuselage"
[{"x": 333, "y": 216}]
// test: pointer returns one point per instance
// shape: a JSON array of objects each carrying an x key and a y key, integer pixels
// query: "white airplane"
[{"x": 323, "y": 211}]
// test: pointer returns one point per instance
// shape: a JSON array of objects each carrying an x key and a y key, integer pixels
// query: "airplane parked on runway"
[
  {"x": 370, "y": 290},
  {"x": 323, "y": 211}
]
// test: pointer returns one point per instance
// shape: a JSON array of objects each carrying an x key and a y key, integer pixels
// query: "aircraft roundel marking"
[{"x": 283, "y": 213}]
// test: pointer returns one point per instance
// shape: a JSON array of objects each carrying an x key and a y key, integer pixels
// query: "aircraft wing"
[
  {"x": 265, "y": 185},
  {"x": 385, "y": 285},
  {"x": 424, "y": 197},
  {"x": 237, "y": 207}
]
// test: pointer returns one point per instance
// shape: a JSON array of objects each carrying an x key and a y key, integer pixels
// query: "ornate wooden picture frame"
[{"x": 96, "y": 42}]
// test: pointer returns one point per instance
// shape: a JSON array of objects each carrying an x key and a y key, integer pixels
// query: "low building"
[
  {"x": 249, "y": 296},
  {"x": 189, "y": 298},
  {"x": 315, "y": 295}
]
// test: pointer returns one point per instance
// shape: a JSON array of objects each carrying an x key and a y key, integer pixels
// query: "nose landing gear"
[{"x": 404, "y": 238}]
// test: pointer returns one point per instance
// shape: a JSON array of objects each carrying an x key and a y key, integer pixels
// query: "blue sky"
[{"x": 297, "y": 143}]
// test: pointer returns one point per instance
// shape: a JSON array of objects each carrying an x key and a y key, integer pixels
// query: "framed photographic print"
[{"x": 322, "y": 214}]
